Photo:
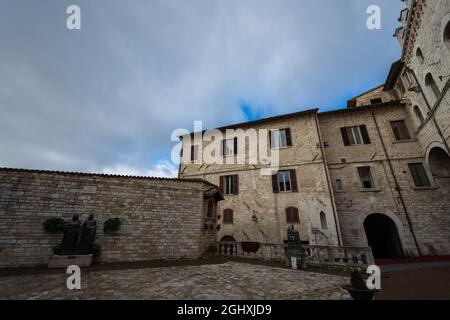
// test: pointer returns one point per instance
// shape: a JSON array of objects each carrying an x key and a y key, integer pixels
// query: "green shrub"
[
  {"x": 357, "y": 280},
  {"x": 212, "y": 248},
  {"x": 53, "y": 225},
  {"x": 112, "y": 225},
  {"x": 95, "y": 249},
  {"x": 57, "y": 250}
]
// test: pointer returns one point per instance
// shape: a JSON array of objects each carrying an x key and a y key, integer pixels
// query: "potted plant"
[
  {"x": 211, "y": 250},
  {"x": 358, "y": 287},
  {"x": 53, "y": 225},
  {"x": 112, "y": 225}
]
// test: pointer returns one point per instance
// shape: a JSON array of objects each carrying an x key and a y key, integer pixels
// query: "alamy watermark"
[
  {"x": 257, "y": 147},
  {"x": 73, "y": 21},
  {"x": 374, "y": 19}
]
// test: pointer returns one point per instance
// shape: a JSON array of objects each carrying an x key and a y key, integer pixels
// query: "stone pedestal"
[{"x": 84, "y": 260}]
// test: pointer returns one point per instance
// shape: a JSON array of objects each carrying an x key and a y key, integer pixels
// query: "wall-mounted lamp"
[{"x": 254, "y": 217}]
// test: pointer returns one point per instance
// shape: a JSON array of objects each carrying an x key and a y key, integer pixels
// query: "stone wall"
[{"x": 161, "y": 218}]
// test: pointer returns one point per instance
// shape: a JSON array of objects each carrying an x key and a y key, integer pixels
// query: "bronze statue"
[
  {"x": 88, "y": 233},
  {"x": 294, "y": 247},
  {"x": 72, "y": 228}
]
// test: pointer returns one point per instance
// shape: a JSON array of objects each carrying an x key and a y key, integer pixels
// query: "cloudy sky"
[{"x": 106, "y": 98}]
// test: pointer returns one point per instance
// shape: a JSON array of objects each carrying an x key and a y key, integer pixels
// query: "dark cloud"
[{"x": 107, "y": 97}]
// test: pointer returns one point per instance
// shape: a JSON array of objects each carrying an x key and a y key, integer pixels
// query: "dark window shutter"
[
  {"x": 365, "y": 134},
  {"x": 270, "y": 139},
  {"x": 288, "y": 215},
  {"x": 345, "y": 136},
  {"x": 192, "y": 152},
  {"x": 288, "y": 137},
  {"x": 235, "y": 145},
  {"x": 221, "y": 184},
  {"x": 275, "y": 183},
  {"x": 227, "y": 216},
  {"x": 210, "y": 208},
  {"x": 295, "y": 216},
  {"x": 236, "y": 184},
  {"x": 222, "y": 148},
  {"x": 294, "y": 186}
]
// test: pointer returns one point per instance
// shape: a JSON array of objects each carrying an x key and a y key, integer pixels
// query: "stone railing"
[
  {"x": 316, "y": 256},
  {"x": 334, "y": 256}
]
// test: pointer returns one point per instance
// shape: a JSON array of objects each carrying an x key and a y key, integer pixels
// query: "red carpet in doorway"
[{"x": 381, "y": 262}]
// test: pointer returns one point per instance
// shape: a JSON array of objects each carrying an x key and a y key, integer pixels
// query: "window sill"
[
  {"x": 358, "y": 145},
  {"x": 280, "y": 148},
  {"x": 370, "y": 190},
  {"x": 404, "y": 141},
  {"x": 425, "y": 188}
]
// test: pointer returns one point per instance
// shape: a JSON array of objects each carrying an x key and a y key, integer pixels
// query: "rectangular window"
[
  {"x": 401, "y": 87},
  {"x": 228, "y": 147},
  {"x": 194, "y": 153},
  {"x": 280, "y": 138},
  {"x": 284, "y": 181},
  {"x": 406, "y": 78},
  {"x": 292, "y": 215},
  {"x": 229, "y": 184},
  {"x": 376, "y": 101},
  {"x": 339, "y": 185},
  {"x": 366, "y": 177},
  {"x": 419, "y": 175},
  {"x": 355, "y": 135},
  {"x": 400, "y": 130}
]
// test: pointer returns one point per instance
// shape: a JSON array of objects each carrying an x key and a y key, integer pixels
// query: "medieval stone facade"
[
  {"x": 376, "y": 173},
  {"x": 161, "y": 218}
]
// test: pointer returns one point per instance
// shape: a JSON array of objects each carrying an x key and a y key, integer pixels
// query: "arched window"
[
  {"x": 227, "y": 216},
  {"x": 292, "y": 215},
  {"x": 418, "y": 114},
  {"x": 419, "y": 55},
  {"x": 323, "y": 220},
  {"x": 447, "y": 34},
  {"x": 431, "y": 84}
]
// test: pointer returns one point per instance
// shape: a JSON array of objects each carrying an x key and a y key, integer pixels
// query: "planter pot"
[
  {"x": 358, "y": 294},
  {"x": 250, "y": 247}
]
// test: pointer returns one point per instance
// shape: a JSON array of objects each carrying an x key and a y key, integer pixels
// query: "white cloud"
[{"x": 163, "y": 169}]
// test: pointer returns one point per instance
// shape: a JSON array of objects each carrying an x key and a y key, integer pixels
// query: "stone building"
[{"x": 376, "y": 173}]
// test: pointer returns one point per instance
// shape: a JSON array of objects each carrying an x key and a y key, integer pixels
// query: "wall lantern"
[{"x": 254, "y": 217}]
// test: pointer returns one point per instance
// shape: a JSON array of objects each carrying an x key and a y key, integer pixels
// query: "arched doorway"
[
  {"x": 382, "y": 236},
  {"x": 439, "y": 163},
  {"x": 227, "y": 239}
]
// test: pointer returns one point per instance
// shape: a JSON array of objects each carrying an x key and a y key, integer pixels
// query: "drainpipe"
[
  {"x": 333, "y": 204},
  {"x": 397, "y": 186},
  {"x": 438, "y": 128}
]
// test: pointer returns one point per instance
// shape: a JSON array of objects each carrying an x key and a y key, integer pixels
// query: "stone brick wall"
[{"x": 161, "y": 218}]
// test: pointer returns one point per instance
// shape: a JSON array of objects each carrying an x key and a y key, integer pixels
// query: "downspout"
[
  {"x": 333, "y": 203},
  {"x": 397, "y": 186}
]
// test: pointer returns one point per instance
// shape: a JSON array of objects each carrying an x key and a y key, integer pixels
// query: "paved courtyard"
[{"x": 230, "y": 280}]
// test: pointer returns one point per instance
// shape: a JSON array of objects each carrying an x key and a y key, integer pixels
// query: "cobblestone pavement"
[{"x": 229, "y": 280}]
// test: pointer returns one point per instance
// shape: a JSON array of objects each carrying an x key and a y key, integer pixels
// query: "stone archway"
[
  {"x": 382, "y": 237},
  {"x": 227, "y": 239},
  {"x": 439, "y": 163}
]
